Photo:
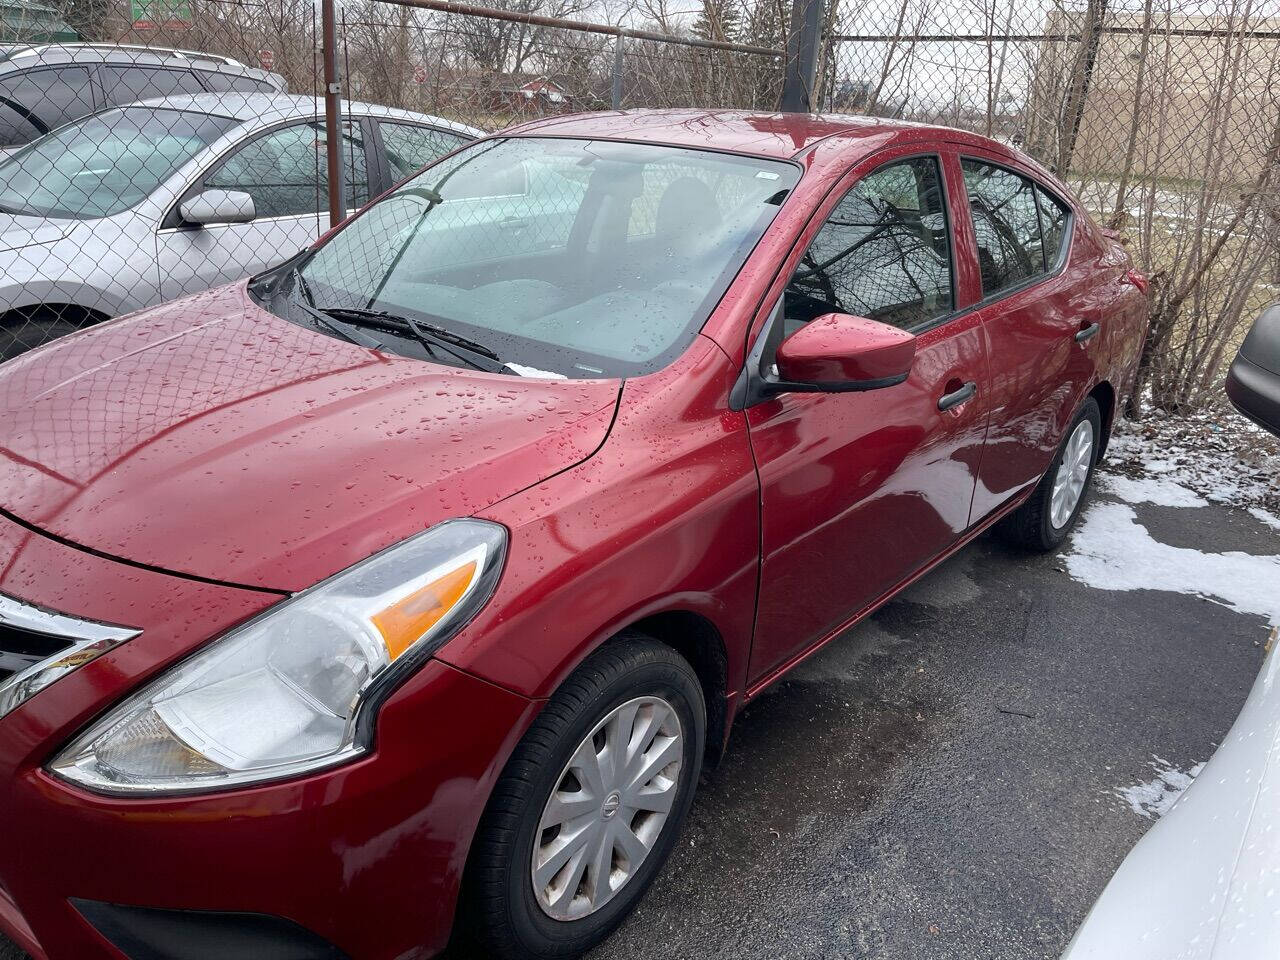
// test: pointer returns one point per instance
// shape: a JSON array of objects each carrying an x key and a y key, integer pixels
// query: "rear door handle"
[
  {"x": 1088, "y": 333},
  {"x": 957, "y": 397}
]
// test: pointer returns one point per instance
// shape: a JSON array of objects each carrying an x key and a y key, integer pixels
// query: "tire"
[
  {"x": 20, "y": 332},
  {"x": 502, "y": 912},
  {"x": 1032, "y": 526}
]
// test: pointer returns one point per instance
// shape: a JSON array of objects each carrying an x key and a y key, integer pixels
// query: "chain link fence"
[
  {"x": 156, "y": 148},
  {"x": 1163, "y": 115}
]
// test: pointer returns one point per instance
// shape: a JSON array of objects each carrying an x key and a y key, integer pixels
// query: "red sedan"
[{"x": 418, "y": 578}]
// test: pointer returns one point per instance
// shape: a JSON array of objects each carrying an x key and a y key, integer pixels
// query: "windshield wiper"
[
  {"x": 428, "y": 334},
  {"x": 344, "y": 330},
  {"x": 306, "y": 304}
]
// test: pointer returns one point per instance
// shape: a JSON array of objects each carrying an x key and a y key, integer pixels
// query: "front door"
[
  {"x": 284, "y": 171},
  {"x": 860, "y": 490}
]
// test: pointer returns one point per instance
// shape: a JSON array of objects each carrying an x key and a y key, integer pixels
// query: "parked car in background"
[
  {"x": 136, "y": 205},
  {"x": 1201, "y": 884},
  {"x": 421, "y": 572},
  {"x": 23, "y": 22},
  {"x": 42, "y": 87},
  {"x": 1253, "y": 382}
]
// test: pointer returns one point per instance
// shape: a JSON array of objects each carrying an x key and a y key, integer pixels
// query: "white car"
[
  {"x": 1204, "y": 883},
  {"x": 140, "y": 204}
]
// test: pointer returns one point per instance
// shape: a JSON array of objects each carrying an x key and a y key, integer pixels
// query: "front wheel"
[
  {"x": 589, "y": 805},
  {"x": 1044, "y": 521}
]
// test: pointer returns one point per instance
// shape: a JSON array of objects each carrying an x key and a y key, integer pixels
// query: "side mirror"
[
  {"x": 1253, "y": 382},
  {"x": 210, "y": 207},
  {"x": 838, "y": 353}
]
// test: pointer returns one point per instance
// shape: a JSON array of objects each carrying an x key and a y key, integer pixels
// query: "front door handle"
[
  {"x": 957, "y": 397},
  {"x": 1088, "y": 333}
]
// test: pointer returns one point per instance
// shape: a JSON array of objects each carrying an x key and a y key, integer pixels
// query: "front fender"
[
  {"x": 108, "y": 266},
  {"x": 645, "y": 526}
]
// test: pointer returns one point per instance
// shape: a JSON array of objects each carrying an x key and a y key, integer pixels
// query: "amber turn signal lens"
[{"x": 405, "y": 621}]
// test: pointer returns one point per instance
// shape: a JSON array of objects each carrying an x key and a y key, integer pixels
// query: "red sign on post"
[
  {"x": 419, "y": 74},
  {"x": 267, "y": 58}
]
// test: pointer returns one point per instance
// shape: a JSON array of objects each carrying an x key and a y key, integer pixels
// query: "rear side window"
[
  {"x": 234, "y": 83},
  {"x": 1010, "y": 227},
  {"x": 410, "y": 147},
  {"x": 122, "y": 85},
  {"x": 54, "y": 97},
  {"x": 884, "y": 252}
]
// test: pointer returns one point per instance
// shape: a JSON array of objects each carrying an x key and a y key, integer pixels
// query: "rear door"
[
  {"x": 1035, "y": 304},
  {"x": 861, "y": 490},
  {"x": 284, "y": 171}
]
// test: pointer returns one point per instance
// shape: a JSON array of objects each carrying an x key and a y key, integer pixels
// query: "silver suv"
[{"x": 43, "y": 87}]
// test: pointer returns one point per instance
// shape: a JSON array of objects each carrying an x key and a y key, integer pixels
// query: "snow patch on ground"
[
  {"x": 1217, "y": 455},
  {"x": 1111, "y": 550},
  {"x": 1270, "y": 519},
  {"x": 1157, "y": 490},
  {"x": 1156, "y": 797}
]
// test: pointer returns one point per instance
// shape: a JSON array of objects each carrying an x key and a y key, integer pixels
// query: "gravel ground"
[{"x": 957, "y": 777}]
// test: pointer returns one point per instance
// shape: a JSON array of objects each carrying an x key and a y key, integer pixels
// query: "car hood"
[
  {"x": 211, "y": 438},
  {"x": 18, "y": 231}
]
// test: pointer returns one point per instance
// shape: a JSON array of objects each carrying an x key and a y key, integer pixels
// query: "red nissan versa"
[{"x": 421, "y": 575}]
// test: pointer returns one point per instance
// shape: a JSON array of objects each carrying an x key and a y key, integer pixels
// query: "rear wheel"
[
  {"x": 1044, "y": 521},
  {"x": 589, "y": 805}
]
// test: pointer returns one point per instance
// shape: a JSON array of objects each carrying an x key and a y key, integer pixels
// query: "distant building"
[
  {"x": 534, "y": 95},
  {"x": 23, "y": 22},
  {"x": 1210, "y": 95}
]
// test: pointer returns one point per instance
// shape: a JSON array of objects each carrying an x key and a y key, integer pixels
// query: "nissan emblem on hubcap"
[{"x": 611, "y": 805}]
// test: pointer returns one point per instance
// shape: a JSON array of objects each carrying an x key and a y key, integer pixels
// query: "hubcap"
[
  {"x": 1073, "y": 471},
  {"x": 608, "y": 808}
]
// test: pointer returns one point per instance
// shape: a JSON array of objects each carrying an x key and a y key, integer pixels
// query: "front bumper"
[{"x": 366, "y": 857}]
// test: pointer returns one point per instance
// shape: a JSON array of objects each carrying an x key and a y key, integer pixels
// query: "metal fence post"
[
  {"x": 801, "y": 69},
  {"x": 618, "y": 42},
  {"x": 332, "y": 109}
]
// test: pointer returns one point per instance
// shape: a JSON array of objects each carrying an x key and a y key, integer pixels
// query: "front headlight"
[{"x": 295, "y": 688}]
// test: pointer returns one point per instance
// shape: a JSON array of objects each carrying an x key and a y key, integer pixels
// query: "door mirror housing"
[
  {"x": 838, "y": 352},
  {"x": 1253, "y": 382},
  {"x": 211, "y": 207}
]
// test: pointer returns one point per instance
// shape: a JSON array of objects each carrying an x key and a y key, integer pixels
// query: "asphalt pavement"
[{"x": 942, "y": 782}]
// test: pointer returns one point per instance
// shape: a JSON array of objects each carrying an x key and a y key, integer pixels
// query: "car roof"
[
  {"x": 776, "y": 135},
  {"x": 261, "y": 109},
  {"x": 45, "y": 54}
]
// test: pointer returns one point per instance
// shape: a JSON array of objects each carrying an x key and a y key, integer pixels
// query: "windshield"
[
  {"x": 572, "y": 258},
  {"x": 105, "y": 163}
]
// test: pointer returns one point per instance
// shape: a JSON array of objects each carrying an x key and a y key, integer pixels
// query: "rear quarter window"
[{"x": 1054, "y": 215}]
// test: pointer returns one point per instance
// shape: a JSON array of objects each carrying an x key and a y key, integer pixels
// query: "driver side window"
[
  {"x": 883, "y": 253},
  {"x": 286, "y": 171}
]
